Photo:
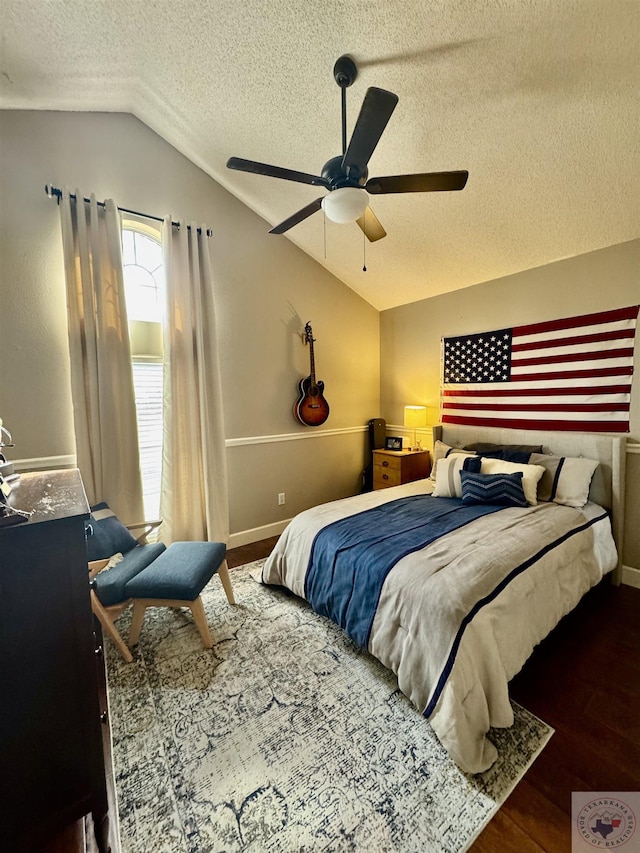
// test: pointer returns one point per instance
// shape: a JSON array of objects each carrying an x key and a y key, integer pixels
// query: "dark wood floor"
[{"x": 584, "y": 680}]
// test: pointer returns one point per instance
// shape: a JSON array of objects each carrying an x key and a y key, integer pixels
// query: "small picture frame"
[{"x": 393, "y": 442}]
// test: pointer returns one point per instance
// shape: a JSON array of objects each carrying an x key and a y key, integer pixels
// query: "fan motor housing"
[
  {"x": 333, "y": 172},
  {"x": 345, "y": 71}
]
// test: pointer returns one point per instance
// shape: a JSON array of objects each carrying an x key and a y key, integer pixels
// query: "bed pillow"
[
  {"x": 106, "y": 535},
  {"x": 520, "y": 456},
  {"x": 448, "y": 483},
  {"x": 489, "y": 447},
  {"x": 566, "y": 479},
  {"x": 442, "y": 451},
  {"x": 499, "y": 489},
  {"x": 531, "y": 474}
]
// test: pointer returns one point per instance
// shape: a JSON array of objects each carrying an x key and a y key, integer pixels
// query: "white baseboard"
[
  {"x": 631, "y": 576},
  {"x": 246, "y": 537}
]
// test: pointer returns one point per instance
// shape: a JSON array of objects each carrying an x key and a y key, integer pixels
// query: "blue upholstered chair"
[{"x": 149, "y": 574}]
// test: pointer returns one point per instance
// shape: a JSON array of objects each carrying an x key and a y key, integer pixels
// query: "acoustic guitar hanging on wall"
[{"x": 311, "y": 409}]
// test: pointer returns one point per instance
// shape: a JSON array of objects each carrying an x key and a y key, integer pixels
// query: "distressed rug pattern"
[{"x": 285, "y": 737}]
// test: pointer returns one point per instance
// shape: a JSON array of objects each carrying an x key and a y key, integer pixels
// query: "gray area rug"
[{"x": 285, "y": 737}]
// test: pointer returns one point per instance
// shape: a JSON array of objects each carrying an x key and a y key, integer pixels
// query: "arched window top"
[{"x": 143, "y": 272}]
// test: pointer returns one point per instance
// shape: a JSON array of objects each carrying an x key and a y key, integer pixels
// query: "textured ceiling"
[{"x": 536, "y": 98}]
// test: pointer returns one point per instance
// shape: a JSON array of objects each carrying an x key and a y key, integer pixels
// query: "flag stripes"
[{"x": 578, "y": 369}]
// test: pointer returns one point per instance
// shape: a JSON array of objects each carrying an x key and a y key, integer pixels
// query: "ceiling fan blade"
[
  {"x": 297, "y": 217},
  {"x": 371, "y": 226},
  {"x": 375, "y": 112},
  {"x": 275, "y": 171},
  {"x": 429, "y": 182}
]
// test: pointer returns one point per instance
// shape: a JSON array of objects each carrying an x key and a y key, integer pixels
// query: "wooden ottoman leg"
[
  {"x": 200, "y": 619},
  {"x": 139, "y": 608},
  {"x": 107, "y": 625},
  {"x": 223, "y": 571},
  {"x": 183, "y": 570}
]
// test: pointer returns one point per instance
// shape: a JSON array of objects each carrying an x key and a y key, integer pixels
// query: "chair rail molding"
[
  {"x": 291, "y": 436},
  {"x": 44, "y": 463}
]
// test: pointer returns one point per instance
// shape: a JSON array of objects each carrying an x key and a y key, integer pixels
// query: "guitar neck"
[{"x": 313, "y": 363}]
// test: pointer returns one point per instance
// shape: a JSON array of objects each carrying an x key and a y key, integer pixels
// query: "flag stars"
[{"x": 478, "y": 358}]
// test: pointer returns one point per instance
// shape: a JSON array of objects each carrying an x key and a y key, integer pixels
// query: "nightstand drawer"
[
  {"x": 383, "y": 477},
  {"x": 394, "y": 463}
]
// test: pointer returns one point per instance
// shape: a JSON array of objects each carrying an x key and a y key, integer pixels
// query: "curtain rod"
[{"x": 57, "y": 192}]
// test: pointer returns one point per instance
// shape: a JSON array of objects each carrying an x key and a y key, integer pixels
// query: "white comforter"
[{"x": 444, "y": 581}]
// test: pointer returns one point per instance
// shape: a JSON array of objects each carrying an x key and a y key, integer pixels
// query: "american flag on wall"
[{"x": 572, "y": 374}]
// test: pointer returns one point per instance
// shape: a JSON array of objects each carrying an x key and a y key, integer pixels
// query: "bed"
[{"x": 452, "y": 591}]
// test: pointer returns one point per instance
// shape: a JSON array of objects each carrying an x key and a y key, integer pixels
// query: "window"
[{"x": 144, "y": 290}]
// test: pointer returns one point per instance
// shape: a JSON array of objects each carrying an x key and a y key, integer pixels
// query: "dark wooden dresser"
[{"x": 52, "y": 769}]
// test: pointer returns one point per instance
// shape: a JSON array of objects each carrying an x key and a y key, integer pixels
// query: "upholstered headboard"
[{"x": 607, "y": 486}]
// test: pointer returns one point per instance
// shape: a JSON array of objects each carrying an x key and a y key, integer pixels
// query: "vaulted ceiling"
[{"x": 537, "y": 99}]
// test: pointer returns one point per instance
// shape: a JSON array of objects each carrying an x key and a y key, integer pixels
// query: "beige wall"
[
  {"x": 373, "y": 364},
  {"x": 266, "y": 290},
  {"x": 410, "y": 335}
]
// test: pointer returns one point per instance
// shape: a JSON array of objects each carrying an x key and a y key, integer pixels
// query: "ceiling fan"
[{"x": 346, "y": 176}]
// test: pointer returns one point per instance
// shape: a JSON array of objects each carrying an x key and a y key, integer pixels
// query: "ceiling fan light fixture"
[{"x": 345, "y": 204}]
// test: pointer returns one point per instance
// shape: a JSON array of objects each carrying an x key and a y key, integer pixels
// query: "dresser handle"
[
  {"x": 385, "y": 476},
  {"x": 103, "y": 718},
  {"x": 98, "y": 651},
  {"x": 385, "y": 464}
]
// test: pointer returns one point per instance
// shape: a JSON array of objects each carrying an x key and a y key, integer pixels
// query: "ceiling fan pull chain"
[
  {"x": 364, "y": 245},
  {"x": 324, "y": 228}
]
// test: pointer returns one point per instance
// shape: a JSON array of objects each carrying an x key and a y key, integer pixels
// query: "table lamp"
[{"x": 414, "y": 417}]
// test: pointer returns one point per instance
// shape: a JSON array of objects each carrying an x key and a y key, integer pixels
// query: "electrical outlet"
[{"x": 280, "y": 498}]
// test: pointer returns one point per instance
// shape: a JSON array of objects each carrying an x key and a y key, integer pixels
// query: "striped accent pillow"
[
  {"x": 448, "y": 474},
  {"x": 500, "y": 489},
  {"x": 444, "y": 451},
  {"x": 566, "y": 479}
]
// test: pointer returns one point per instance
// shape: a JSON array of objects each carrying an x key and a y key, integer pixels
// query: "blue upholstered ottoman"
[
  {"x": 175, "y": 579},
  {"x": 110, "y": 586}
]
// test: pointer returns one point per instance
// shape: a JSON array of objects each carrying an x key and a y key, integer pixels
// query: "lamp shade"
[
  {"x": 345, "y": 204},
  {"x": 415, "y": 416}
]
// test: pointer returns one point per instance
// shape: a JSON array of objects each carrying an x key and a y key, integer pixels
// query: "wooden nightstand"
[{"x": 394, "y": 467}]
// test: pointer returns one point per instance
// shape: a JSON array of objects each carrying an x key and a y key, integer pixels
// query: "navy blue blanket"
[{"x": 351, "y": 558}]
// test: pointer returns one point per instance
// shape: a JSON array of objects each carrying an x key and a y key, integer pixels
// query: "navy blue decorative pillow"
[
  {"x": 106, "y": 535},
  {"x": 499, "y": 489},
  {"x": 520, "y": 456},
  {"x": 473, "y": 464},
  {"x": 486, "y": 447}
]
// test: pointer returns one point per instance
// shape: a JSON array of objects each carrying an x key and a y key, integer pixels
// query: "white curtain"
[
  {"x": 101, "y": 377},
  {"x": 194, "y": 502}
]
